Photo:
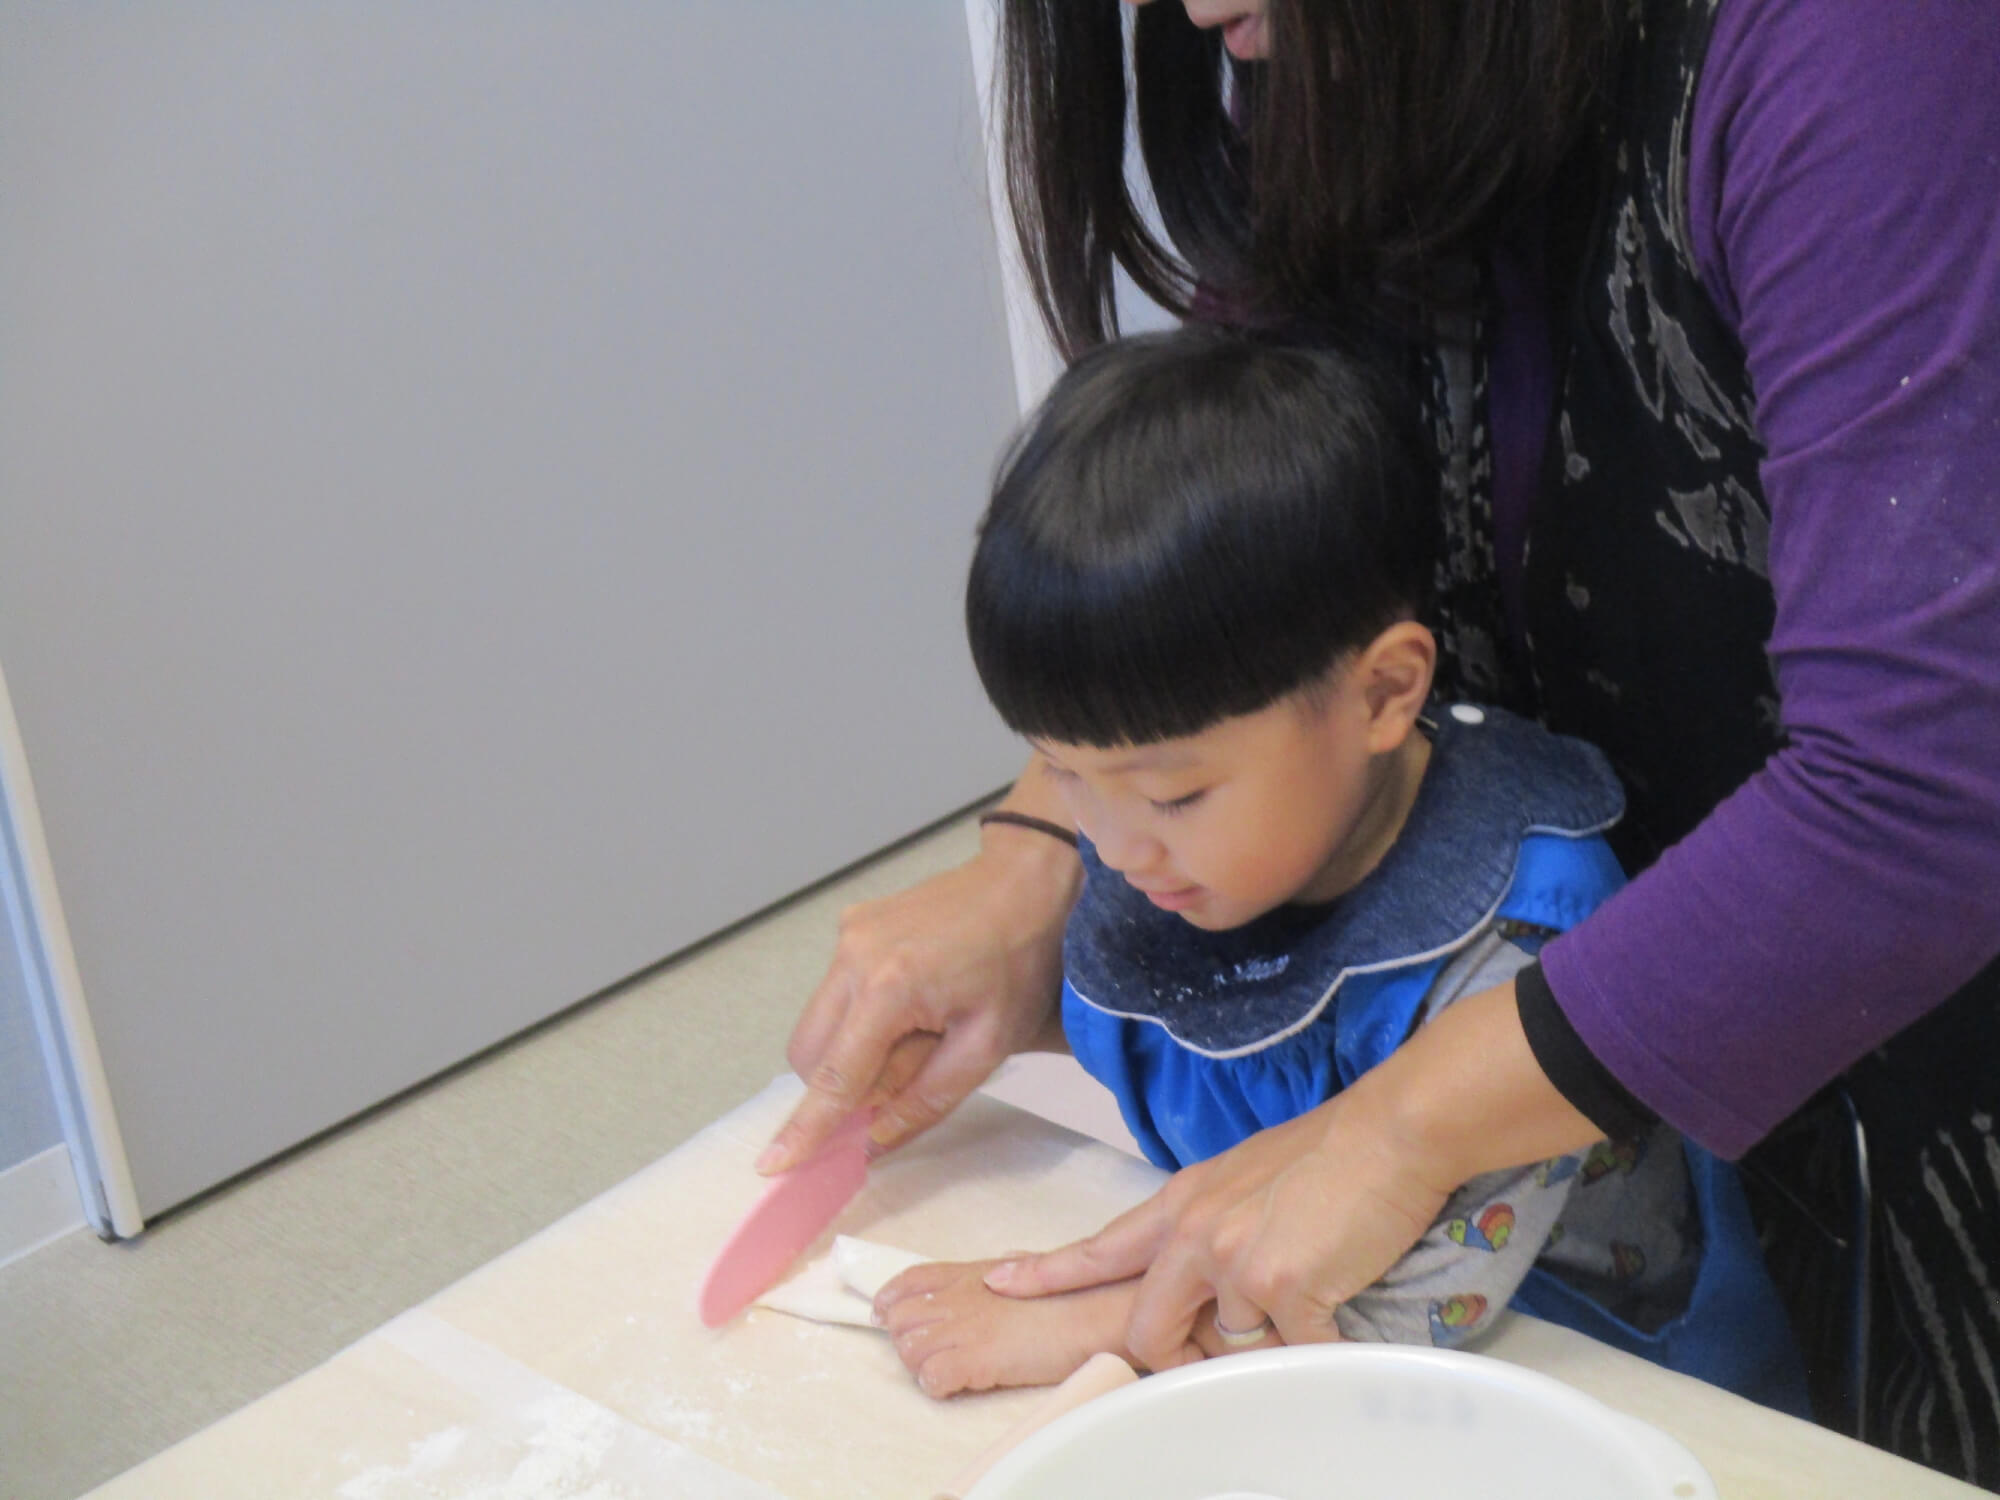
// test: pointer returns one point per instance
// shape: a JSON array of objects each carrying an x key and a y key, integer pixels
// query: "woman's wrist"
[
  {"x": 1027, "y": 854},
  {"x": 1025, "y": 836},
  {"x": 1035, "y": 877},
  {"x": 1465, "y": 1095}
]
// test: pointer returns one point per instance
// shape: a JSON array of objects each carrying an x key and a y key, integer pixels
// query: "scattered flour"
[
  {"x": 679, "y": 1419},
  {"x": 1253, "y": 969},
  {"x": 427, "y": 1456},
  {"x": 568, "y": 1441},
  {"x": 437, "y": 1450},
  {"x": 564, "y": 1458}
]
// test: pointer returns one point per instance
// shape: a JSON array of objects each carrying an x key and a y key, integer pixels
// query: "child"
[{"x": 1198, "y": 593}]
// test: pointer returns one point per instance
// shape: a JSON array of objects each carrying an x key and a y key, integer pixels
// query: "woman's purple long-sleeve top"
[{"x": 1844, "y": 202}]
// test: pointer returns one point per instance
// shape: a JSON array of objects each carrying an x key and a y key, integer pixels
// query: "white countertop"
[{"x": 573, "y": 1368}]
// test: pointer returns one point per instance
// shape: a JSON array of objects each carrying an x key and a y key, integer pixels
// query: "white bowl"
[{"x": 1352, "y": 1421}]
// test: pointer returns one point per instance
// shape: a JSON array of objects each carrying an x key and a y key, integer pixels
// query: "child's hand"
[{"x": 955, "y": 1335}]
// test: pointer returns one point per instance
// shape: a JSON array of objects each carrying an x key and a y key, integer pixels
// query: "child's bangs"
[
  {"x": 1193, "y": 526},
  {"x": 1149, "y": 649}
]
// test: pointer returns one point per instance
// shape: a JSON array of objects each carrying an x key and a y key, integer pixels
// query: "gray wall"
[{"x": 484, "y": 495}]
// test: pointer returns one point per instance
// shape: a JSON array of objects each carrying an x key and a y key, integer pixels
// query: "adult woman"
[{"x": 1739, "y": 264}]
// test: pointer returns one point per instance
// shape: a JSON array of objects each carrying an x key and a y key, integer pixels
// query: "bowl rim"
[{"x": 1649, "y": 1443}]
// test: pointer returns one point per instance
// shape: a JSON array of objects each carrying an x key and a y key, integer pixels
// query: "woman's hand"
[
  {"x": 932, "y": 988},
  {"x": 1301, "y": 1217},
  {"x": 1285, "y": 1227}
]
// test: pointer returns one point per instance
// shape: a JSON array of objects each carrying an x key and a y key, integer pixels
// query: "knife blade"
[{"x": 793, "y": 1212}]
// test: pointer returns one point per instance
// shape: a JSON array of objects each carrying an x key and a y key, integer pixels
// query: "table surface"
[{"x": 573, "y": 1367}]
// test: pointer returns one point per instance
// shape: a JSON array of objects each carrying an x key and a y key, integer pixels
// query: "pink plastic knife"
[{"x": 795, "y": 1209}]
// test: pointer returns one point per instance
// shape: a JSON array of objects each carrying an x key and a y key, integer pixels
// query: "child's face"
[{"x": 1295, "y": 802}]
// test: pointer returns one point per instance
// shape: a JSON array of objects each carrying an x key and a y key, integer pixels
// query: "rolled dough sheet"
[{"x": 840, "y": 1286}]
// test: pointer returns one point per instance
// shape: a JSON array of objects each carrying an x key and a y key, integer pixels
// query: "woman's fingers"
[
  {"x": 1238, "y": 1320},
  {"x": 906, "y": 1063},
  {"x": 819, "y": 1022},
  {"x": 1309, "y": 1238},
  {"x": 929, "y": 989},
  {"x": 1306, "y": 1319},
  {"x": 1122, "y": 1249},
  {"x": 1272, "y": 1229},
  {"x": 841, "y": 1048},
  {"x": 1188, "y": 1281},
  {"x": 940, "y": 1074},
  {"x": 1216, "y": 1336}
]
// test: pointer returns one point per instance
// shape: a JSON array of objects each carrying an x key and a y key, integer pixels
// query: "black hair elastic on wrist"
[{"x": 1023, "y": 820}]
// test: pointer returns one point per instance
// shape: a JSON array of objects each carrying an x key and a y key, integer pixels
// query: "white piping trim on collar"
[{"x": 1404, "y": 961}]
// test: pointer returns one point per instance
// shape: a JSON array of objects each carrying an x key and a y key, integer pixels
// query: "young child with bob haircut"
[{"x": 1199, "y": 593}]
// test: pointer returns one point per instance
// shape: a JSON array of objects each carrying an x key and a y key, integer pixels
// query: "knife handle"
[{"x": 1097, "y": 1375}]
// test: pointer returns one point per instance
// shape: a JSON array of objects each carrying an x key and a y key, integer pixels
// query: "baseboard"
[{"x": 38, "y": 1203}]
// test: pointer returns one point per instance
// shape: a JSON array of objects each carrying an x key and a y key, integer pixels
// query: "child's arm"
[{"x": 1454, "y": 1281}]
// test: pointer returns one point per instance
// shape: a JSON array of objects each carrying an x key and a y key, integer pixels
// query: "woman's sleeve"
[{"x": 1845, "y": 210}]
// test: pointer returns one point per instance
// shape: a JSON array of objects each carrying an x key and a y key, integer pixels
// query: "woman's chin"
[{"x": 1248, "y": 39}]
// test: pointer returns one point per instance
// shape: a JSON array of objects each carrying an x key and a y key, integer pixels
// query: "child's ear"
[{"x": 1394, "y": 673}]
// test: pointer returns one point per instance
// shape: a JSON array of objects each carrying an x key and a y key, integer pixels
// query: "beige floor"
[{"x": 110, "y": 1353}]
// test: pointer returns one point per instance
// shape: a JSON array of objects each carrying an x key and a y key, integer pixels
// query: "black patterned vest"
[
  {"x": 1646, "y": 593},
  {"x": 1647, "y": 609}
]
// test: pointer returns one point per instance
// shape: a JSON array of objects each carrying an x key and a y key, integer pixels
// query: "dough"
[{"x": 840, "y": 1286}]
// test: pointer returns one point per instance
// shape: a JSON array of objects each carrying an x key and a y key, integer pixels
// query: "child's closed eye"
[{"x": 1178, "y": 804}]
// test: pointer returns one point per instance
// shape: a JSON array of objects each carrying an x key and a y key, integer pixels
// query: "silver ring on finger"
[{"x": 1241, "y": 1338}]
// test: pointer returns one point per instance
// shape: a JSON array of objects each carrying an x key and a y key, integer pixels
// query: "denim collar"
[{"x": 1493, "y": 779}]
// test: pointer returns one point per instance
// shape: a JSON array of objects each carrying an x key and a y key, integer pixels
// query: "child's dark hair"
[{"x": 1194, "y": 525}]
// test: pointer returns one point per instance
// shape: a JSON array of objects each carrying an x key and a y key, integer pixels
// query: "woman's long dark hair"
[{"x": 1383, "y": 145}]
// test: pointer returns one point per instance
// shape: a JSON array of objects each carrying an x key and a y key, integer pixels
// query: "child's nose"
[{"x": 1125, "y": 850}]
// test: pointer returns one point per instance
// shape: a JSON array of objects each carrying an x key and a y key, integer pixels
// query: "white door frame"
[{"x": 49, "y": 978}]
